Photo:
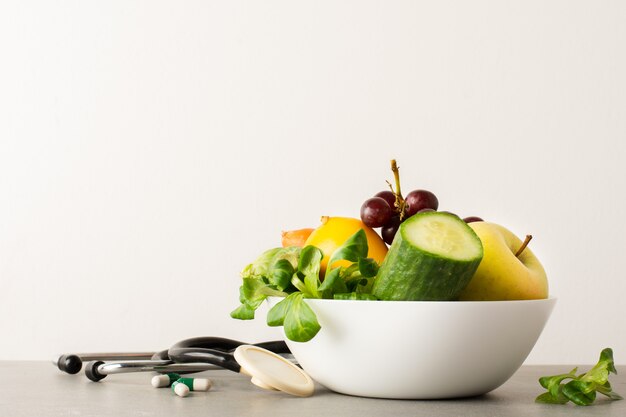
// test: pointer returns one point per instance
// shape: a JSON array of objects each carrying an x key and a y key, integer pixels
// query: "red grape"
[
  {"x": 375, "y": 212},
  {"x": 388, "y": 232},
  {"x": 389, "y": 197},
  {"x": 472, "y": 219},
  {"x": 420, "y": 199}
]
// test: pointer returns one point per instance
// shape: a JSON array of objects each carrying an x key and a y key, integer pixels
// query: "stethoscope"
[{"x": 262, "y": 361}]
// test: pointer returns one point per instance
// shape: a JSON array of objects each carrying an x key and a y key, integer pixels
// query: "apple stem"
[
  {"x": 400, "y": 203},
  {"x": 526, "y": 242}
]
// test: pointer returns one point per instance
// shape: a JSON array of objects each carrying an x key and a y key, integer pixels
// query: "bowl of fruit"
[{"x": 451, "y": 308}]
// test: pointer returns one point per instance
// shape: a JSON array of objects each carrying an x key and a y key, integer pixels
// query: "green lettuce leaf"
[
  {"x": 582, "y": 389},
  {"x": 353, "y": 249},
  {"x": 300, "y": 322}
]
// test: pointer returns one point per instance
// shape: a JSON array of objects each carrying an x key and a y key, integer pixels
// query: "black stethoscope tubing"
[
  {"x": 217, "y": 351},
  {"x": 214, "y": 350}
]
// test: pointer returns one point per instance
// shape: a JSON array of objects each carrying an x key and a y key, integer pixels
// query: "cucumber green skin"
[{"x": 411, "y": 274}]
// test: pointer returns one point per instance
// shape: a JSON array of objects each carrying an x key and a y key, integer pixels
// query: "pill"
[
  {"x": 160, "y": 381},
  {"x": 196, "y": 384},
  {"x": 180, "y": 389}
]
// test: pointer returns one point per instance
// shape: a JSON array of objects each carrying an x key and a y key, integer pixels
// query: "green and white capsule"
[
  {"x": 166, "y": 380},
  {"x": 180, "y": 389},
  {"x": 196, "y": 384}
]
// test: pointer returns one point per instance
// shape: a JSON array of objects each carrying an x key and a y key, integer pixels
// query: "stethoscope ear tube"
[
  {"x": 199, "y": 354},
  {"x": 92, "y": 372},
  {"x": 217, "y": 351},
  {"x": 70, "y": 364}
]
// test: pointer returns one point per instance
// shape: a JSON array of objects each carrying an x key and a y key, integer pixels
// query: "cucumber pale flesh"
[{"x": 432, "y": 258}]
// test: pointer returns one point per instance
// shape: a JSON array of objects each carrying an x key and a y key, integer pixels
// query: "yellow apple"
[{"x": 501, "y": 275}]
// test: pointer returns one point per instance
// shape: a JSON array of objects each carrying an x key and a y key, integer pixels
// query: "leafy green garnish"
[
  {"x": 309, "y": 265},
  {"x": 243, "y": 312},
  {"x": 581, "y": 390},
  {"x": 251, "y": 294},
  {"x": 281, "y": 273},
  {"x": 261, "y": 266},
  {"x": 300, "y": 324},
  {"x": 547, "y": 398},
  {"x": 333, "y": 283},
  {"x": 270, "y": 274},
  {"x": 276, "y": 315},
  {"x": 296, "y": 316},
  {"x": 352, "y": 250},
  {"x": 294, "y": 274},
  {"x": 368, "y": 267}
]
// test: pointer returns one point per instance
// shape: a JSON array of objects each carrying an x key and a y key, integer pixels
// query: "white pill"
[
  {"x": 160, "y": 381},
  {"x": 180, "y": 389},
  {"x": 196, "y": 384},
  {"x": 201, "y": 384}
]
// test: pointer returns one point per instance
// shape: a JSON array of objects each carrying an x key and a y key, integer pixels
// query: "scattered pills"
[
  {"x": 180, "y": 389},
  {"x": 166, "y": 380},
  {"x": 181, "y": 386},
  {"x": 196, "y": 384}
]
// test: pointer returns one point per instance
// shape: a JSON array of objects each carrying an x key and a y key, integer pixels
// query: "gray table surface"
[{"x": 39, "y": 389}]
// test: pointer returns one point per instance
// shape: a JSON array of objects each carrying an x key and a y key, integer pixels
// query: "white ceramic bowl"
[{"x": 419, "y": 349}]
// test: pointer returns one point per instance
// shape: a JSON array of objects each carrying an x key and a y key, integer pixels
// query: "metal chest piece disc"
[{"x": 271, "y": 371}]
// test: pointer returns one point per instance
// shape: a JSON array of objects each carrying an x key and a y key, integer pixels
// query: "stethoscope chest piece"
[{"x": 271, "y": 371}]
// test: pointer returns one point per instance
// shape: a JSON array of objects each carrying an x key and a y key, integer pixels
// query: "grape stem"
[
  {"x": 400, "y": 204},
  {"x": 526, "y": 242}
]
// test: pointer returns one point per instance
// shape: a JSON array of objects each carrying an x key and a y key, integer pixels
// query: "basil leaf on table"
[
  {"x": 608, "y": 391},
  {"x": 553, "y": 383},
  {"x": 548, "y": 398},
  {"x": 582, "y": 389},
  {"x": 600, "y": 372},
  {"x": 580, "y": 392}
]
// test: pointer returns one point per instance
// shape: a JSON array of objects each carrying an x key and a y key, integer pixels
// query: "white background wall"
[{"x": 149, "y": 150}]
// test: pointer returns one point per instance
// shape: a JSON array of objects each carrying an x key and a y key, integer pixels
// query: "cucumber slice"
[{"x": 432, "y": 258}]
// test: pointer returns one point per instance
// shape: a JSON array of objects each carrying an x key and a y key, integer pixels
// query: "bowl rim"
[{"x": 551, "y": 298}]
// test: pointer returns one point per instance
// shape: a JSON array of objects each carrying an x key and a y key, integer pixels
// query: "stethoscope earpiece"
[
  {"x": 92, "y": 372},
  {"x": 70, "y": 364}
]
